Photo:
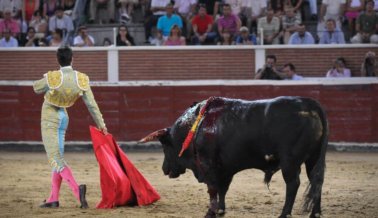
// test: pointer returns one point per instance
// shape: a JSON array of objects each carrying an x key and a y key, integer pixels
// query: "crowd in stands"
[{"x": 190, "y": 22}]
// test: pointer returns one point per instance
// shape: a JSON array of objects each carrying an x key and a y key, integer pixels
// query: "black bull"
[{"x": 281, "y": 133}]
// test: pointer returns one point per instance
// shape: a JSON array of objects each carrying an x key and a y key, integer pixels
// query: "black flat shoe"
[
  {"x": 82, "y": 192},
  {"x": 54, "y": 204}
]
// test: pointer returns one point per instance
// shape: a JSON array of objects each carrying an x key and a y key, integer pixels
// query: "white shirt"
[
  {"x": 184, "y": 6},
  {"x": 235, "y": 6},
  {"x": 333, "y": 6},
  {"x": 256, "y": 5},
  {"x": 159, "y": 3},
  {"x": 78, "y": 40},
  {"x": 7, "y": 44}
]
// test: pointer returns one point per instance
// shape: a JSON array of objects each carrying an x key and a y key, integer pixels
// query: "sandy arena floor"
[{"x": 350, "y": 189}]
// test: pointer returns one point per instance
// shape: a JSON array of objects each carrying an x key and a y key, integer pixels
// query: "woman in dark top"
[{"x": 123, "y": 37}]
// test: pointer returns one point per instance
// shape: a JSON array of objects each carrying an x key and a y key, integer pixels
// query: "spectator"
[
  {"x": 269, "y": 71},
  {"x": 226, "y": 38},
  {"x": 252, "y": 11},
  {"x": 31, "y": 39},
  {"x": 166, "y": 22},
  {"x": 28, "y": 10},
  {"x": 369, "y": 65},
  {"x": 15, "y": 7},
  {"x": 186, "y": 9},
  {"x": 57, "y": 38},
  {"x": 202, "y": 27},
  {"x": 9, "y": 24},
  {"x": 158, "y": 10},
  {"x": 228, "y": 21},
  {"x": 289, "y": 70},
  {"x": 94, "y": 4},
  {"x": 290, "y": 23},
  {"x": 301, "y": 37},
  {"x": 42, "y": 42},
  {"x": 332, "y": 9},
  {"x": 106, "y": 42},
  {"x": 175, "y": 37},
  {"x": 83, "y": 39},
  {"x": 279, "y": 6},
  {"x": 353, "y": 9},
  {"x": 367, "y": 25},
  {"x": 123, "y": 37},
  {"x": 212, "y": 7},
  {"x": 270, "y": 26},
  {"x": 126, "y": 9},
  {"x": 236, "y": 6},
  {"x": 332, "y": 34},
  {"x": 63, "y": 22},
  {"x": 156, "y": 38},
  {"x": 339, "y": 69},
  {"x": 49, "y": 8},
  {"x": 8, "y": 40},
  {"x": 39, "y": 23},
  {"x": 245, "y": 38}
]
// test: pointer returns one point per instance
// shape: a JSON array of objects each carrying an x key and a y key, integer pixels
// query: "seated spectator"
[
  {"x": 290, "y": 23},
  {"x": 93, "y": 6},
  {"x": 9, "y": 24},
  {"x": 166, "y": 21},
  {"x": 367, "y": 25},
  {"x": 186, "y": 9},
  {"x": 252, "y": 11},
  {"x": 212, "y": 7},
  {"x": 15, "y": 6},
  {"x": 158, "y": 9},
  {"x": 245, "y": 38},
  {"x": 202, "y": 25},
  {"x": 270, "y": 25},
  {"x": 49, "y": 8},
  {"x": 332, "y": 34},
  {"x": 42, "y": 42},
  {"x": 156, "y": 38},
  {"x": 289, "y": 71},
  {"x": 28, "y": 10},
  {"x": 339, "y": 69},
  {"x": 269, "y": 71},
  {"x": 83, "y": 39},
  {"x": 57, "y": 38},
  {"x": 368, "y": 66},
  {"x": 353, "y": 9},
  {"x": 123, "y": 37},
  {"x": 8, "y": 40},
  {"x": 31, "y": 39},
  {"x": 126, "y": 9},
  {"x": 228, "y": 21},
  {"x": 175, "y": 37},
  {"x": 39, "y": 23},
  {"x": 63, "y": 22},
  {"x": 226, "y": 38},
  {"x": 301, "y": 37}
]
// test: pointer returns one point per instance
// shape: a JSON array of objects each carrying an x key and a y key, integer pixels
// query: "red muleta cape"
[{"x": 121, "y": 183}]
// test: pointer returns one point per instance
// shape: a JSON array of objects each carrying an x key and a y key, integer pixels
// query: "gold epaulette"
[
  {"x": 82, "y": 81},
  {"x": 54, "y": 79}
]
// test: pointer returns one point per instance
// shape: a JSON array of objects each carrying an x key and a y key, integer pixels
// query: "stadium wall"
[{"x": 134, "y": 109}]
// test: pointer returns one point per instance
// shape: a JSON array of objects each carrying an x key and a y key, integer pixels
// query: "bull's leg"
[
  {"x": 223, "y": 186},
  {"x": 213, "y": 207},
  {"x": 291, "y": 176},
  {"x": 316, "y": 210}
]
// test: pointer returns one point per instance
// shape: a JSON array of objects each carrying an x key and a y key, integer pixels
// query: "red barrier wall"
[{"x": 131, "y": 112}]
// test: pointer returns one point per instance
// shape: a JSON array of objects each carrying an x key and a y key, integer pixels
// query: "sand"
[{"x": 350, "y": 189}]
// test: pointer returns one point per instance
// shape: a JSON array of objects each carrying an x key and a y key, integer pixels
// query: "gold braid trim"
[
  {"x": 54, "y": 79},
  {"x": 82, "y": 81}
]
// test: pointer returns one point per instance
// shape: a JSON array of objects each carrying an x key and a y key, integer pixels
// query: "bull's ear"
[{"x": 155, "y": 135}]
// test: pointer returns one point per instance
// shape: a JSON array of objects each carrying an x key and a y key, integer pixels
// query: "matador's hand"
[{"x": 104, "y": 130}]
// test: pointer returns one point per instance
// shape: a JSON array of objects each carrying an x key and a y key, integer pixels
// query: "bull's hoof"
[
  {"x": 210, "y": 214},
  {"x": 221, "y": 212},
  {"x": 285, "y": 216},
  {"x": 316, "y": 215}
]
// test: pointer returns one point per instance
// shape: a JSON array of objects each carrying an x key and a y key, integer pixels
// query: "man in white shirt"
[
  {"x": 289, "y": 70},
  {"x": 83, "y": 39},
  {"x": 8, "y": 41},
  {"x": 252, "y": 11},
  {"x": 63, "y": 22}
]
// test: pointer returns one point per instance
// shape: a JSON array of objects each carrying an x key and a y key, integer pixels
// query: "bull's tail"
[{"x": 314, "y": 189}]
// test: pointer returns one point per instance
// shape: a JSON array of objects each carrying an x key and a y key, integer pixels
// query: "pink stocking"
[
  {"x": 68, "y": 177},
  {"x": 56, "y": 181}
]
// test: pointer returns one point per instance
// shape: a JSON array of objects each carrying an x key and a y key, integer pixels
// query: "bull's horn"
[{"x": 154, "y": 135}]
